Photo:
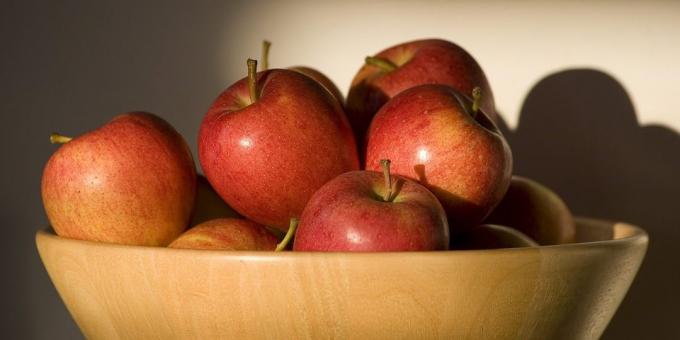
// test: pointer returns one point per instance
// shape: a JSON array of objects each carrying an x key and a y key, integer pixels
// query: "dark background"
[{"x": 70, "y": 67}]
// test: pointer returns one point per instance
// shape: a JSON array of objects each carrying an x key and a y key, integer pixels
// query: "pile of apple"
[{"x": 282, "y": 154}]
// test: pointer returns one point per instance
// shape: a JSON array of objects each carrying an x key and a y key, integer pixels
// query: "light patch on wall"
[{"x": 517, "y": 44}]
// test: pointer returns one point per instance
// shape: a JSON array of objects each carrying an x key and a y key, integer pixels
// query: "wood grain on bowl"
[{"x": 566, "y": 291}]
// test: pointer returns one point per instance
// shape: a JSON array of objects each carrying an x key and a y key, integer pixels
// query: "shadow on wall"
[{"x": 579, "y": 135}]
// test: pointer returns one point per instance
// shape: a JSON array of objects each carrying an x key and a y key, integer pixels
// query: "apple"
[
  {"x": 535, "y": 210},
  {"x": 393, "y": 70},
  {"x": 308, "y": 71},
  {"x": 441, "y": 138},
  {"x": 323, "y": 80},
  {"x": 227, "y": 234},
  {"x": 271, "y": 140},
  {"x": 367, "y": 211},
  {"x": 131, "y": 181},
  {"x": 209, "y": 205},
  {"x": 490, "y": 236}
]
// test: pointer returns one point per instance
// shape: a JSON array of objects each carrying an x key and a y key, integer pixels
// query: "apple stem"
[
  {"x": 289, "y": 235},
  {"x": 265, "y": 54},
  {"x": 385, "y": 164},
  {"x": 56, "y": 138},
  {"x": 476, "y": 99},
  {"x": 382, "y": 63},
  {"x": 252, "y": 80}
]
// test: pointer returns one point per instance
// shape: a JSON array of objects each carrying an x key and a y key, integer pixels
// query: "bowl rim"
[{"x": 624, "y": 235}]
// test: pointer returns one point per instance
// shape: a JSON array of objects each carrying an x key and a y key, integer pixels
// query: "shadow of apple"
[{"x": 578, "y": 134}]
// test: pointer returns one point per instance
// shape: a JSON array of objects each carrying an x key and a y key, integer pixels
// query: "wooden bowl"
[{"x": 568, "y": 291}]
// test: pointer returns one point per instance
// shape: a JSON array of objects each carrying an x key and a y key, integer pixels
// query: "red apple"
[
  {"x": 266, "y": 146},
  {"x": 433, "y": 135},
  {"x": 227, "y": 234},
  {"x": 490, "y": 236},
  {"x": 358, "y": 211},
  {"x": 131, "y": 181},
  {"x": 535, "y": 210},
  {"x": 308, "y": 71},
  {"x": 321, "y": 79},
  {"x": 430, "y": 61},
  {"x": 209, "y": 205}
]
